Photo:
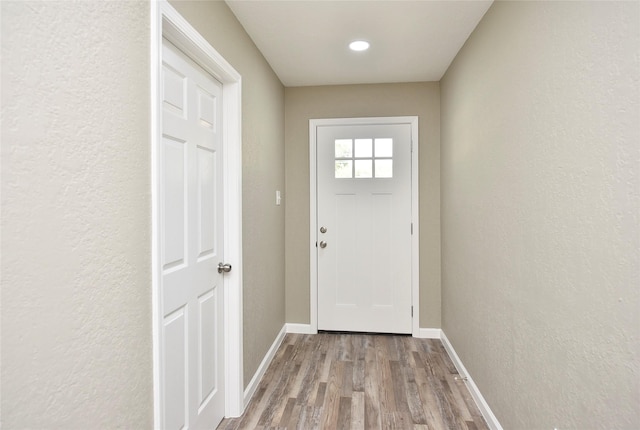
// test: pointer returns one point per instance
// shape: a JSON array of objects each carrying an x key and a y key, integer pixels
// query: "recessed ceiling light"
[{"x": 359, "y": 45}]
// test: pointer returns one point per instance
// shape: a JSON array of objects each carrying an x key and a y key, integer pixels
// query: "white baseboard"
[
  {"x": 424, "y": 333},
  {"x": 485, "y": 410},
  {"x": 299, "y": 328},
  {"x": 257, "y": 377},
  {"x": 428, "y": 333}
]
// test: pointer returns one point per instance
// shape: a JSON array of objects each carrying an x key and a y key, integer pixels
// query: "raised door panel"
[{"x": 176, "y": 372}]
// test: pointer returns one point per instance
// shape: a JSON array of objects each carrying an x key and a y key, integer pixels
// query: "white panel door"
[
  {"x": 191, "y": 223},
  {"x": 364, "y": 227}
]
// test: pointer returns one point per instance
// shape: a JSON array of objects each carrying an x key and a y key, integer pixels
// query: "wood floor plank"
[
  {"x": 447, "y": 364},
  {"x": 395, "y": 421},
  {"x": 461, "y": 414},
  {"x": 393, "y": 349},
  {"x": 471, "y": 425},
  {"x": 443, "y": 402},
  {"x": 417, "y": 359},
  {"x": 372, "y": 391},
  {"x": 310, "y": 419},
  {"x": 455, "y": 386},
  {"x": 400, "y": 393},
  {"x": 332, "y": 396},
  {"x": 372, "y": 418},
  {"x": 360, "y": 345},
  {"x": 428, "y": 398},
  {"x": 360, "y": 381},
  {"x": 344, "y": 414},
  {"x": 295, "y": 416},
  {"x": 347, "y": 379},
  {"x": 435, "y": 365},
  {"x": 358, "y": 375},
  {"x": 322, "y": 389},
  {"x": 386, "y": 395},
  {"x": 414, "y": 402},
  {"x": 329, "y": 357},
  {"x": 310, "y": 378},
  {"x": 273, "y": 411},
  {"x": 409, "y": 352},
  {"x": 305, "y": 358},
  {"x": 344, "y": 348},
  {"x": 357, "y": 411},
  {"x": 471, "y": 404},
  {"x": 285, "y": 417}
]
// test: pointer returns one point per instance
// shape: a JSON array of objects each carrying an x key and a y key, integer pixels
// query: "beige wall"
[
  {"x": 76, "y": 277},
  {"x": 540, "y": 204},
  {"x": 262, "y": 175},
  {"x": 304, "y": 103},
  {"x": 76, "y": 211}
]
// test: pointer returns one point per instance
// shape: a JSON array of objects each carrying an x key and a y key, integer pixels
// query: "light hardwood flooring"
[{"x": 360, "y": 381}]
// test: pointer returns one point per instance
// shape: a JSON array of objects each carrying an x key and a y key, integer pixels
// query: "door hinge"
[
  {"x": 412, "y": 311},
  {"x": 411, "y": 228}
]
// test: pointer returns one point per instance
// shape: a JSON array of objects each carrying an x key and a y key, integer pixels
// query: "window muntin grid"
[{"x": 363, "y": 158}]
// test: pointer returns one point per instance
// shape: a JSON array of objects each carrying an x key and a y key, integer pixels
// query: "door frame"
[
  {"x": 167, "y": 22},
  {"x": 313, "y": 219}
]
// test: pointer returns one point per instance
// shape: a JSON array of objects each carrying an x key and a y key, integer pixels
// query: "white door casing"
[
  {"x": 167, "y": 23},
  {"x": 365, "y": 263}
]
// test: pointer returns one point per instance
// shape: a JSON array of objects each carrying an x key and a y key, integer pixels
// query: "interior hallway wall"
[
  {"x": 75, "y": 216},
  {"x": 348, "y": 101},
  {"x": 262, "y": 174},
  {"x": 540, "y": 213}
]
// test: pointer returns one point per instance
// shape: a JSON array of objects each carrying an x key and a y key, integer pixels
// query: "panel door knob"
[
  {"x": 224, "y": 267},
  {"x": 323, "y": 244}
]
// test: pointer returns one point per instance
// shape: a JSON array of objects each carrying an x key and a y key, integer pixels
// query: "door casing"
[
  {"x": 167, "y": 22},
  {"x": 313, "y": 221}
]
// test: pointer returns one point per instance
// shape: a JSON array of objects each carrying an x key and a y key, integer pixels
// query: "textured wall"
[
  {"x": 304, "y": 103},
  {"x": 540, "y": 213},
  {"x": 76, "y": 276},
  {"x": 262, "y": 175}
]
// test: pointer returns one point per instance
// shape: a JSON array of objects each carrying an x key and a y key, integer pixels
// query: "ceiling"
[{"x": 306, "y": 41}]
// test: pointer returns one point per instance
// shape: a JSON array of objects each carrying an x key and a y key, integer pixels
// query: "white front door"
[
  {"x": 191, "y": 233},
  {"x": 364, "y": 227}
]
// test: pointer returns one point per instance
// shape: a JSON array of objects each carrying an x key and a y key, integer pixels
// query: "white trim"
[
  {"x": 485, "y": 410},
  {"x": 415, "y": 218},
  {"x": 264, "y": 365},
  {"x": 156, "y": 130},
  {"x": 428, "y": 333},
  {"x": 299, "y": 328},
  {"x": 313, "y": 224},
  {"x": 167, "y": 22}
]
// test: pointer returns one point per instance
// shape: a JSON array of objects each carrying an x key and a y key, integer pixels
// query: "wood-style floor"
[{"x": 360, "y": 381}]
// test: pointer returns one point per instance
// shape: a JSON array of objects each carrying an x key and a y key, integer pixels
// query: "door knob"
[
  {"x": 222, "y": 267},
  {"x": 323, "y": 244}
]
